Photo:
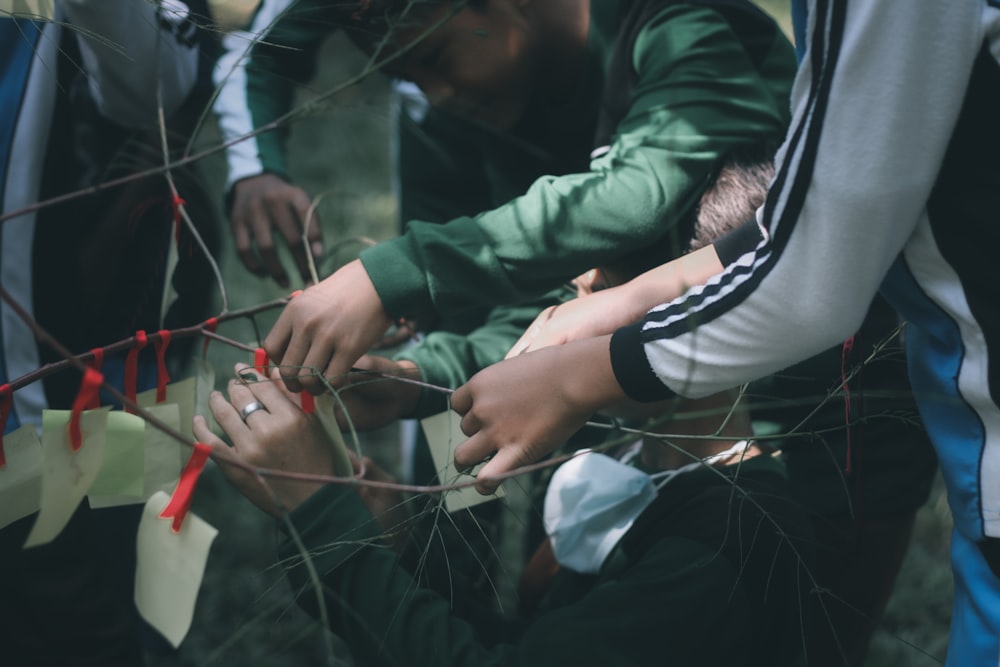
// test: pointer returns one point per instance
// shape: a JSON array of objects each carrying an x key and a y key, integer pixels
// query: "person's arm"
[
  {"x": 850, "y": 189},
  {"x": 131, "y": 50},
  {"x": 698, "y": 96},
  {"x": 256, "y": 77}
]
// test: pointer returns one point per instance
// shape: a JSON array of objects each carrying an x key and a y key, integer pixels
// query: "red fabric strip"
[
  {"x": 89, "y": 390},
  {"x": 162, "y": 377},
  {"x": 96, "y": 364},
  {"x": 132, "y": 367},
  {"x": 260, "y": 362},
  {"x": 180, "y": 501},
  {"x": 6, "y": 400},
  {"x": 308, "y": 402},
  {"x": 211, "y": 324}
]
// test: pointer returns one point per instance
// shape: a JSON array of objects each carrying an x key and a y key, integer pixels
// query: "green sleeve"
[
  {"x": 697, "y": 96},
  {"x": 680, "y": 600},
  {"x": 450, "y": 358},
  {"x": 284, "y": 57}
]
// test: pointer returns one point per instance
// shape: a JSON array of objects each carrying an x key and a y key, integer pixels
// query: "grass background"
[{"x": 245, "y": 614}]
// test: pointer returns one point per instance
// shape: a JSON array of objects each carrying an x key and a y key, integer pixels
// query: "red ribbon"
[
  {"x": 6, "y": 400},
  {"x": 180, "y": 501},
  {"x": 308, "y": 402},
  {"x": 96, "y": 364},
  {"x": 132, "y": 367},
  {"x": 88, "y": 395},
  {"x": 260, "y": 362},
  {"x": 211, "y": 324},
  {"x": 162, "y": 377}
]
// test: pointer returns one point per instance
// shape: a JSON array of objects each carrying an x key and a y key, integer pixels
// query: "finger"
[
  {"x": 288, "y": 347},
  {"x": 507, "y": 459},
  {"x": 473, "y": 451},
  {"x": 267, "y": 391},
  {"x": 204, "y": 434},
  {"x": 461, "y": 400},
  {"x": 278, "y": 338},
  {"x": 266, "y": 249},
  {"x": 288, "y": 222},
  {"x": 227, "y": 416},
  {"x": 240, "y": 396},
  {"x": 242, "y": 241}
]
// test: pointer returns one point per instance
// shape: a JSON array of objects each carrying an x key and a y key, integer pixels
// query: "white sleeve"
[
  {"x": 874, "y": 105},
  {"x": 231, "y": 105},
  {"x": 129, "y": 47}
]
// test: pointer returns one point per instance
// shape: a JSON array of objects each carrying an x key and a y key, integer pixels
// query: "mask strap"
[{"x": 661, "y": 478}]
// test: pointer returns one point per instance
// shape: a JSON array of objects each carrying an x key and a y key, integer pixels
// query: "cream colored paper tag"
[
  {"x": 21, "y": 478},
  {"x": 162, "y": 456},
  {"x": 444, "y": 435},
  {"x": 66, "y": 475},
  {"x": 36, "y": 9},
  {"x": 181, "y": 393},
  {"x": 169, "y": 568},
  {"x": 120, "y": 479}
]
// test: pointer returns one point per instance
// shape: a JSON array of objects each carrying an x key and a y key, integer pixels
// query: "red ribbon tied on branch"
[
  {"x": 87, "y": 396},
  {"x": 132, "y": 368},
  {"x": 162, "y": 377},
  {"x": 180, "y": 501}
]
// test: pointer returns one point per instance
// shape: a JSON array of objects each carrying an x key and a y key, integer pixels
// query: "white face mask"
[{"x": 593, "y": 500}]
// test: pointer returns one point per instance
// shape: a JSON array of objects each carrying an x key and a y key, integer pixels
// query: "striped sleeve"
[{"x": 874, "y": 104}]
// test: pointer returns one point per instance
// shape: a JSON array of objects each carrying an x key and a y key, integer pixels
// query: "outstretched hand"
[
  {"x": 278, "y": 436},
  {"x": 266, "y": 206},
  {"x": 520, "y": 410},
  {"x": 327, "y": 328}
]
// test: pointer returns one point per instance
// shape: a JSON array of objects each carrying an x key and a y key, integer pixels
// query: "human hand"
[
  {"x": 597, "y": 314},
  {"x": 327, "y": 328},
  {"x": 371, "y": 399},
  {"x": 280, "y": 437},
  {"x": 262, "y": 205},
  {"x": 522, "y": 409}
]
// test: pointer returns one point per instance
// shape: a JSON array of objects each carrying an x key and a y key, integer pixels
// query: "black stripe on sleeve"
[{"x": 738, "y": 242}]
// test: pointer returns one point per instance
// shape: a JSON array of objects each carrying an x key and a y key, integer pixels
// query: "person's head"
[{"x": 481, "y": 58}]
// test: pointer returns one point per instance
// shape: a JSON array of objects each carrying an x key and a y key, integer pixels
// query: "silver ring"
[{"x": 250, "y": 408}]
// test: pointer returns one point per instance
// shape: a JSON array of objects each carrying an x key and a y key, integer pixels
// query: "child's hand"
[
  {"x": 327, "y": 328},
  {"x": 520, "y": 410},
  {"x": 278, "y": 436}
]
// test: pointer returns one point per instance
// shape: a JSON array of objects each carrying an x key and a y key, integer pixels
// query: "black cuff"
[
  {"x": 632, "y": 369},
  {"x": 738, "y": 242}
]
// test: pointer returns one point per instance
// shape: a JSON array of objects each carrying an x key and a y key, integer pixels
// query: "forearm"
[{"x": 135, "y": 53}]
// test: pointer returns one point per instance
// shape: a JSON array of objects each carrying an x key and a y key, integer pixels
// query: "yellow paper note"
[
  {"x": 120, "y": 479},
  {"x": 66, "y": 475},
  {"x": 21, "y": 478},
  {"x": 444, "y": 434},
  {"x": 169, "y": 568},
  {"x": 181, "y": 393},
  {"x": 36, "y": 9}
]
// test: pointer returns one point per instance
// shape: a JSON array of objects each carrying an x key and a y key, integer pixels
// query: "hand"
[
  {"x": 263, "y": 204},
  {"x": 279, "y": 437},
  {"x": 327, "y": 327},
  {"x": 522, "y": 409},
  {"x": 373, "y": 401},
  {"x": 597, "y": 314}
]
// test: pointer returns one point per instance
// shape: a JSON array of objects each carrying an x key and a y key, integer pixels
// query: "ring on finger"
[{"x": 251, "y": 408}]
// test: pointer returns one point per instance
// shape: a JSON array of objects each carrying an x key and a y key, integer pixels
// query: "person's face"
[{"x": 479, "y": 62}]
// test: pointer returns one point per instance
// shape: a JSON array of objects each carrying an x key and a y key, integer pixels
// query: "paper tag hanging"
[
  {"x": 41, "y": 10},
  {"x": 120, "y": 481},
  {"x": 444, "y": 434},
  {"x": 169, "y": 569},
  {"x": 21, "y": 478},
  {"x": 66, "y": 475}
]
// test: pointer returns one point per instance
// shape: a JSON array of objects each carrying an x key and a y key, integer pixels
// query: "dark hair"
[
  {"x": 738, "y": 190},
  {"x": 367, "y": 22}
]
